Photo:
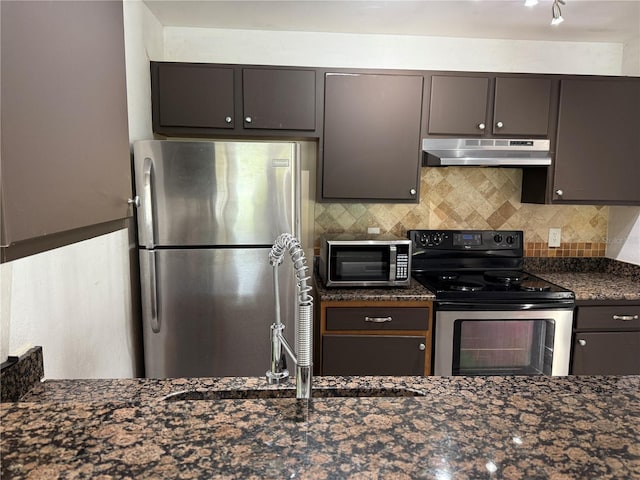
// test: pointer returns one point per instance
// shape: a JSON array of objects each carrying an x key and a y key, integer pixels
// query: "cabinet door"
[
  {"x": 372, "y": 137},
  {"x": 521, "y": 106},
  {"x": 598, "y": 145},
  {"x": 458, "y": 105},
  {"x": 65, "y": 145},
  {"x": 373, "y": 355},
  {"x": 279, "y": 99},
  {"x": 606, "y": 353},
  {"x": 192, "y": 95}
]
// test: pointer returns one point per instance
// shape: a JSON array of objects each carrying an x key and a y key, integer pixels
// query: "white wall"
[
  {"x": 389, "y": 51},
  {"x": 143, "y": 42},
  {"x": 75, "y": 302}
]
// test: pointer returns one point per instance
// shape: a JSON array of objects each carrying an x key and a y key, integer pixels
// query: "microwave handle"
[{"x": 393, "y": 260}]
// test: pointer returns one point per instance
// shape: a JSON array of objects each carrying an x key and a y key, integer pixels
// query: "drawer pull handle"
[
  {"x": 625, "y": 318},
  {"x": 582, "y": 342},
  {"x": 377, "y": 319}
]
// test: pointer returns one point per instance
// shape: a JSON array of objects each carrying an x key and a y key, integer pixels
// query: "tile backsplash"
[{"x": 475, "y": 198}]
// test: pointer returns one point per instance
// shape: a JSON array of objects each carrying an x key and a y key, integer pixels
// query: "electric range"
[
  {"x": 491, "y": 317},
  {"x": 481, "y": 266}
]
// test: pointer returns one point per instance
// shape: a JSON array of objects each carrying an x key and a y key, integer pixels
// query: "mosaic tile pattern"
[
  {"x": 473, "y": 198},
  {"x": 576, "y": 249}
]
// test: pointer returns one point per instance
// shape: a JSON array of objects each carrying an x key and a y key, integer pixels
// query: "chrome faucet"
[{"x": 304, "y": 320}]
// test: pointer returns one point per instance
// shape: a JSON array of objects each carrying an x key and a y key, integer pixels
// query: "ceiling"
[{"x": 585, "y": 20}]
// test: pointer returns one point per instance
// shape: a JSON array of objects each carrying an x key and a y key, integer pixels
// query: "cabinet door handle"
[
  {"x": 378, "y": 319},
  {"x": 227, "y": 119},
  {"x": 248, "y": 119},
  {"x": 582, "y": 342},
  {"x": 422, "y": 347},
  {"x": 625, "y": 318},
  {"x": 499, "y": 124},
  {"x": 481, "y": 126},
  {"x": 413, "y": 191},
  {"x": 559, "y": 192}
]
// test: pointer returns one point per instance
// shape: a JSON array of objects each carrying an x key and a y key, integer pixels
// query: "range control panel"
[{"x": 466, "y": 239}]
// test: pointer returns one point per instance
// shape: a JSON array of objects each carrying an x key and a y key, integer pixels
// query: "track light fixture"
[{"x": 556, "y": 13}]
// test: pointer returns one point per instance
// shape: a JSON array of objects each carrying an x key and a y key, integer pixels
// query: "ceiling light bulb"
[
  {"x": 530, "y": 3},
  {"x": 557, "y": 20}
]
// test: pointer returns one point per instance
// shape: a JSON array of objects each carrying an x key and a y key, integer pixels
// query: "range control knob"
[
  {"x": 510, "y": 240},
  {"x": 423, "y": 239},
  {"x": 437, "y": 238},
  {"x": 497, "y": 238}
]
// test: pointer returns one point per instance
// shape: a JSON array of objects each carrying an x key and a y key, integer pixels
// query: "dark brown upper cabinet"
[
  {"x": 279, "y": 99},
  {"x": 598, "y": 144},
  {"x": 371, "y": 147},
  {"x": 65, "y": 142},
  {"x": 193, "y": 95},
  {"x": 210, "y": 99},
  {"x": 464, "y": 105}
]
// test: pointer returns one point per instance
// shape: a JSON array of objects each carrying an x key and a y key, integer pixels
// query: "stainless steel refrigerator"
[{"x": 207, "y": 215}]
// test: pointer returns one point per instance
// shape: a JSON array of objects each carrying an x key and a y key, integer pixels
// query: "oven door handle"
[{"x": 507, "y": 306}]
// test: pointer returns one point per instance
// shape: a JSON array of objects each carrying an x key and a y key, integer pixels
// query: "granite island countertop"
[{"x": 459, "y": 428}]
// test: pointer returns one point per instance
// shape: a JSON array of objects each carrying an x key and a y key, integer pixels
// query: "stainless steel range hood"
[{"x": 485, "y": 152}]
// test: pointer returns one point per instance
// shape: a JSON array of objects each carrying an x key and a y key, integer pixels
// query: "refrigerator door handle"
[
  {"x": 148, "y": 201},
  {"x": 150, "y": 289},
  {"x": 297, "y": 187}
]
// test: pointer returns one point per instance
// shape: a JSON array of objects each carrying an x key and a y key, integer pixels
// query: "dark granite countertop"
[
  {"x": 596, "y": 286},
  {"x": 599, "y": 279},
  {"x": 591, "y": 279},
  {"x": 415, "y": 291},
  {"x": 461, "y": 428}
]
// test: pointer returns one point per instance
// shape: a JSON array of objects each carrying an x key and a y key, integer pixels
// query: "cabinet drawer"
[
  {"x": 373, "y": 355},
  {"x": 377, "y": 318},
  {"x": 608, "y": 318},
  {"x": 606, "y": 353}
]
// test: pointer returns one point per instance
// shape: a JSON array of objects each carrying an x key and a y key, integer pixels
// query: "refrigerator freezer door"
[
  {"x": 214, "y": 193},
  {"x": 214, "y": 309}
]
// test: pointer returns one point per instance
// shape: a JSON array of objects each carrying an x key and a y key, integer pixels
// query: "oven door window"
[
  {"x": 503, "y": 347},
  {"x": 365, "y": 263}
]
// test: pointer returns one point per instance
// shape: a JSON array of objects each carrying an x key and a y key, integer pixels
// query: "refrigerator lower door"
[{"x": 207, "y": 312}]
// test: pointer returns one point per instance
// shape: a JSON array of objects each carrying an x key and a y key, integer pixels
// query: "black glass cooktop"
[{"x": 505, "y": 285}]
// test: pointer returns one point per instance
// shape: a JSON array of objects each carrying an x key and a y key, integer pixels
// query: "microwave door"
[{"x": 361, "y": 264}]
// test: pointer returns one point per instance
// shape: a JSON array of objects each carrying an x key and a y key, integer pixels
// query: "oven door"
[{"x": 503, "y": 342}]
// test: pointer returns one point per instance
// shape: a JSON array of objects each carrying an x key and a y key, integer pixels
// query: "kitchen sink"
[{"x": 252, "y": 394}]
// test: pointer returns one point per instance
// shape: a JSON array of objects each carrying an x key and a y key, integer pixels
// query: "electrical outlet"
[
  {"x": 555, "y": 235},
  {"x": 373, "y": 230}
]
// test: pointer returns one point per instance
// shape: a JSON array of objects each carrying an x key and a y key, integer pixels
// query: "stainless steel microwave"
[{"x": 361, "y": 261}]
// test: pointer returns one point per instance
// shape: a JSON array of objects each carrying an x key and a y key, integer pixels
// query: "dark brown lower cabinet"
[
  {"x": 374, "y": 338},
  {"x": 373, "y": 355},
  {"x": 607, "y": 340}
]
